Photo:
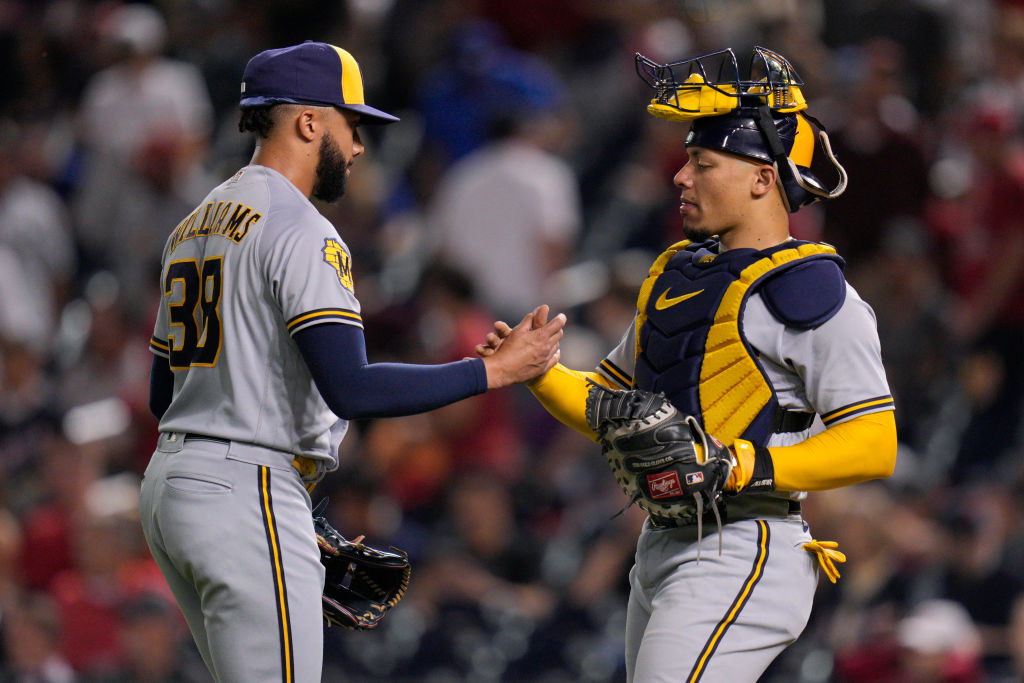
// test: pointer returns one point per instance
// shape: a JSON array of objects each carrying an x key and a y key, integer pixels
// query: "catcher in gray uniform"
[
  {"x": 258, "y": 351},
  {"x": 751, "y": 374}
]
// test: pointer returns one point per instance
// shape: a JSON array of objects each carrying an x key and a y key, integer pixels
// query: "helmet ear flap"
[{"x": 794, "y": 196}]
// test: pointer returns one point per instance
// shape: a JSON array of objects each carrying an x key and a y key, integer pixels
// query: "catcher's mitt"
[
  {"x": 663, "y": 460},
  {"x": 362, "y": 583}
]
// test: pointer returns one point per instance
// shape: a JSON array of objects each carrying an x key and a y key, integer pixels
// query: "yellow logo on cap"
[{"x": 337, "y": 257}]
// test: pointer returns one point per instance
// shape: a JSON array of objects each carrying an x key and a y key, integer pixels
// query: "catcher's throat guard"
[{"x": 761, "y": 117}]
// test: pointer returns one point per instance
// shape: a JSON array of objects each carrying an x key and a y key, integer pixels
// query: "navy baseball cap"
[{"x": 308, "y": 73}]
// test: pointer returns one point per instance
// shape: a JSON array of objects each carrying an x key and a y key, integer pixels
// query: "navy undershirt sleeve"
[
  {"x": 161, "y": 386},
  {"x": 354, "y": 389}
]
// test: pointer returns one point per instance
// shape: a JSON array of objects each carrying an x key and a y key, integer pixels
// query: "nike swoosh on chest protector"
[{"x": 664, "y": 301}]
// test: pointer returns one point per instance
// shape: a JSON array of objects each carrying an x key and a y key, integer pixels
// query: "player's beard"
[{"x": 331, "y": 171}]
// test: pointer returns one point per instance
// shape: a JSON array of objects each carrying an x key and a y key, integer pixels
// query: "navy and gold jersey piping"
[
  {"x": 852, "y": 410},
  {"x": 324, "y": 315},
  {"x": 159, "y": 347},
  {"x": 615, "y": 373}
]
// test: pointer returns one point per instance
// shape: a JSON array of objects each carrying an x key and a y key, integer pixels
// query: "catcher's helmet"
[{"x": 760, "y": 118}]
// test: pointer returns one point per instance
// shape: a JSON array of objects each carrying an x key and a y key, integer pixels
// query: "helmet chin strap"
[{"x": 784, "y": 166}]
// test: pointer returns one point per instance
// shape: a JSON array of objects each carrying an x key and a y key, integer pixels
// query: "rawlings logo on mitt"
[
  {"x": 361, "y": 583},
  {"x": 662, "y": 459}
]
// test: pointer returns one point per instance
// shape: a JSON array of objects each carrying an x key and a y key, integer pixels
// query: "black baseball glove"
[
  {"x": 663, "y": 460},
  {"x": 362, "y": 583}
]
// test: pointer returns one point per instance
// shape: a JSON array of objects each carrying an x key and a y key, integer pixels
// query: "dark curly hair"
[{"x": 259, "y": 121}]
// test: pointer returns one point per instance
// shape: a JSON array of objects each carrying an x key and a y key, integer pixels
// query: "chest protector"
[{"x": 690, "y": 343}]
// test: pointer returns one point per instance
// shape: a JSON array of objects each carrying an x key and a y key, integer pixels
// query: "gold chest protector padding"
[{"x": 733, "y": 390}]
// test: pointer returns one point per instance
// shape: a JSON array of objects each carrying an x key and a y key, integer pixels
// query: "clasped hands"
[{"x": 522, "y": 353}]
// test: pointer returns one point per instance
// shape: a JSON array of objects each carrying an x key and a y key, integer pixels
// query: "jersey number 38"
[{"x": 192, "y": 307}]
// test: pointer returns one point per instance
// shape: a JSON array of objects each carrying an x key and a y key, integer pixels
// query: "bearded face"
[{"x": 331, "y": 171}]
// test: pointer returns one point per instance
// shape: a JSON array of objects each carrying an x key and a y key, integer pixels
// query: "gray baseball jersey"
[{"x": 253, "y": 264}]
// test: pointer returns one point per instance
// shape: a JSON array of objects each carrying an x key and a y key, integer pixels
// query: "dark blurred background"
[{"x": 525, "y": 170}]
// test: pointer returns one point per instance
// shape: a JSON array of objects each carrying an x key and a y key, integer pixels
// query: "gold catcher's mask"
[{"x": 761, "y": 117}]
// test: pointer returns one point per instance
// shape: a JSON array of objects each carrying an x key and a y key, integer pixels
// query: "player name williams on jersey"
[{"x": 216, "y": 221}]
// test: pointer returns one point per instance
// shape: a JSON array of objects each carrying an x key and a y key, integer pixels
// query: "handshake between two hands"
[{"x": 522, "y": 353}]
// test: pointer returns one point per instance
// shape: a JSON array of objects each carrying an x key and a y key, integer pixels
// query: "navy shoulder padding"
[{"x": 806, "y": 295}]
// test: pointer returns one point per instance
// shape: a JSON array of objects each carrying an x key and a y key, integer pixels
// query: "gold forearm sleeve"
[
  {"x": 863, "y": 448},
  {"x": 563, "y": 392}
]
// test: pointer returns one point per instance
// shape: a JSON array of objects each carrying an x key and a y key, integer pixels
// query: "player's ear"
[
  {"x": 306, "y": 123},
  {"x": 764, "y": 180}
]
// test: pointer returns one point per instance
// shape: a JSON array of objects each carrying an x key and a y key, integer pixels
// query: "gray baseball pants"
[
  {"x": 230, "y": 527},
  {"x": 726, "y": 617}
]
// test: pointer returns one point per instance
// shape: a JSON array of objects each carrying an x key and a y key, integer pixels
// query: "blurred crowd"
[{"x": 525, "y": 170}]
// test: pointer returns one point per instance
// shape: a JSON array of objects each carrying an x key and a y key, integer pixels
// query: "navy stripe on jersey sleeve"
[
  {"x": 615, "y": 373},
  {"x": 159, "y": 347},
  {"x": 355, "y": 389},
  {"x": 324, "y": 315},
  {"x": 847, "y": 412}
]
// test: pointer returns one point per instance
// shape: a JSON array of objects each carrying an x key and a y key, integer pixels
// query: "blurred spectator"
[
  {"x": 982, "y": 222},
  {"x": 936, "y": 643},
  {"x": 111, "y": 354},
  {"x": 983, "y": 418},
  {"x": 24, "y": 346},
  {"x": 973, "y": 576},
  {"x": 906, "y": 290},
  {"x": 37, "y": 264},
  {"x": 493, "y": 555},
  {"x": 1005, "y": 58},
  {"x": 478, "y": 87},
  {"x": 31, "y": 643},
  {"x": 481, "y": 433},
  {"x": 156, "y": 645},
  {"x": 1017, "y": 642},
  {"x": 481, "y": 580},
  {"x": 10, "y": 543},
  {"x": 409, "y": 459},
  {"x": 919, "y": 27},
  {"x": 977, "y": 221},
  {"x": 35, "y": 224},
  {"x": 109, "y": 569},
  {"x": 508, "y": 214},
  {"x": 64, "y": 473},
  {"x": 145, "y": 122},
  {"x": 142, "y": 96},
  {"x": 874, "y": 592},
  {"x": 637, "y": 208},
  {"x": 876, "y": 134},
  {"x": 940, "y": 644}
]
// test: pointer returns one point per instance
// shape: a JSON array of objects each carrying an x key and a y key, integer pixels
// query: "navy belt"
[
  {"x": 723, "y": 511},
  {"x": 203, "y": 437}
]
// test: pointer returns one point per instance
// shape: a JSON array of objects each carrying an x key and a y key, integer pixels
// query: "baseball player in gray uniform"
[
  {"x": 760, "y": 337},
  {"x": 258, "y": 351}
]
